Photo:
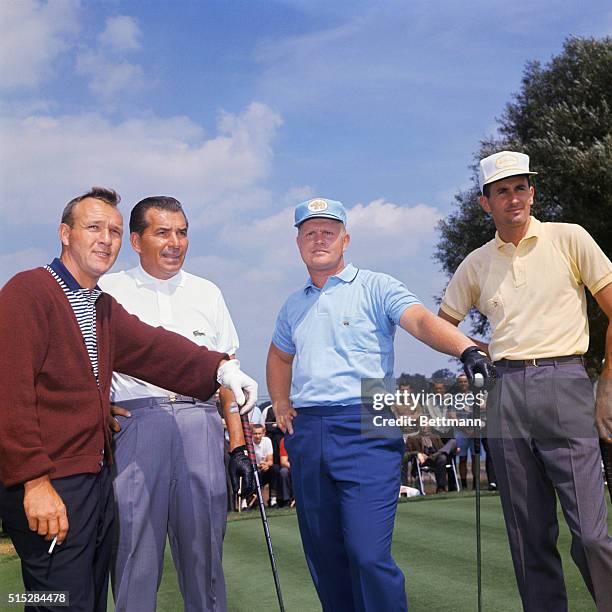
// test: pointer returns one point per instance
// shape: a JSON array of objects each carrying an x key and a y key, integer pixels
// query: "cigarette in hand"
[{"x": 53, "y": 543}]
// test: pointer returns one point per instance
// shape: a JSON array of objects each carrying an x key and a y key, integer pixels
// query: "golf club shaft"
[
  {"x": 248, "y": 439},
  {"x": 476, "y": 459}
]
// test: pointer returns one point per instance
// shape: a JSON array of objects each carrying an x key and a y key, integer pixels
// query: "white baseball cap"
[{"x": 502, "y": 165}]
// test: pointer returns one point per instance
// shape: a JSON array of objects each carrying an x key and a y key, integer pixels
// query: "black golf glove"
[
  {"x": 475, "y": 361},
  {"x": 240, "y": 467}
]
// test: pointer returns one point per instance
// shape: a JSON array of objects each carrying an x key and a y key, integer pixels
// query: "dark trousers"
[
  {"x": 346, "y": 486},
  {"x": 279, "y": 479},
  {"x": 437, "y": 462},
  {"x": 81, "y": 564},
  {"x": 283, "y": 488},
  {"x": 543, "y": 441}
]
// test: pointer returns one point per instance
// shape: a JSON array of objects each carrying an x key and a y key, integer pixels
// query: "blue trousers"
[{"x": 346, "y": 487}]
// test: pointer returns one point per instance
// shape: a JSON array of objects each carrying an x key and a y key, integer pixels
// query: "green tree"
[
  {"x": 562, "y": 118},
  {"x": 443, "y": 375}
]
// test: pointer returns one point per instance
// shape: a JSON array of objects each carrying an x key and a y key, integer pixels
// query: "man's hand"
[
  {"x": 240, "y": 467},
  {"x": 422, "y": 457},
  {"x": 603, "y": 410},
  {"x": 44, "y": 509},
  {"x": 117, "y": 411},
  {"x": 475, "y": 361},
  {"x": 244, "y": 388},
  {"x": 284, "y": 412}
]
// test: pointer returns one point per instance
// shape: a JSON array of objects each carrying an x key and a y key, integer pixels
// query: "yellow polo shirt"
[{"x": 532, "y": 294}]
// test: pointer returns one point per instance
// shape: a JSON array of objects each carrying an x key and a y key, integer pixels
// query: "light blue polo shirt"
[{"x": 340, "y": 334}]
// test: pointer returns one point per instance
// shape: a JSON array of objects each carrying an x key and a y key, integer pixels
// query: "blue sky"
[{"x": 241, "y": 109}]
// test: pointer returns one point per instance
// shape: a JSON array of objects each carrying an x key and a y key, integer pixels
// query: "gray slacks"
[
  {"x": 544, "y": 444},
  {"x": 169, "y": 481}
]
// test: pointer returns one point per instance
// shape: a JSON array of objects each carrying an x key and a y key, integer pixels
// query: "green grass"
[{"x": 434, "y": 544}]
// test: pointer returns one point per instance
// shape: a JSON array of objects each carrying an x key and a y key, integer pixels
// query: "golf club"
[{"x": 248, "y": 439}]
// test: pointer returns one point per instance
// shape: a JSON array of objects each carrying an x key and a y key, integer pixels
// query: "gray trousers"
[
  {"x": 543, "y": 441},
  {"x": 169, "y": 481}
]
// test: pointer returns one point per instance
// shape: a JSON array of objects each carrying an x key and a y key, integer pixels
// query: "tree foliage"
[{"x": 562, "y": 118}]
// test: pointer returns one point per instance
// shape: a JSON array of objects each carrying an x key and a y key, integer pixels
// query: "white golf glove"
[{"x": 244, "y": 388}]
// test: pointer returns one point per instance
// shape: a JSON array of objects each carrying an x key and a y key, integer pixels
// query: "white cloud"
[
  {"x": 407, "y": 226},
  {"x": 33, "y": 34},
  {"x": 121, "y": 33},
  {"x": 60, "y": 156},
  {"x": 110, "y": 77}
]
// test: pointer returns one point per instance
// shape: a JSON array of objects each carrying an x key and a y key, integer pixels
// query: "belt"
[
  {"x": 546, "y": 361},
  {"x": 145, "y": 402}
]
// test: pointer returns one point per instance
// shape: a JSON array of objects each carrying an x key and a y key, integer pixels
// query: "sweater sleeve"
[
  {"x": 162, "y": 357},
  {"x": 24, "y": 339}
]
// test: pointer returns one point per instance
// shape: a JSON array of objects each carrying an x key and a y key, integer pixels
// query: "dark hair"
[
  {"x": 138, "y": 222},
  {"x": 109, "y": 196},
  {"x": 486, "y": 189},
  {"x": 257, "y": 426}
]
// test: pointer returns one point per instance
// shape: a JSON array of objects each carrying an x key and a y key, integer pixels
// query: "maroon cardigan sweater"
[{"x": 53, "y": 414}]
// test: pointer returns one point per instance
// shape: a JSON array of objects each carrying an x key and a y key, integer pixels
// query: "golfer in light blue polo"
[{"x": 333, "y": 332}]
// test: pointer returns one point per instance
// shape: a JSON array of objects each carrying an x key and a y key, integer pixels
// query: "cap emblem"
[
  {"x": 317, "y": 205},
  {"x": 506, "y": 161}
]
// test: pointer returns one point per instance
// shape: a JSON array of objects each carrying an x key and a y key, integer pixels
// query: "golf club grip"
[
  {"x": 606, "y": 455},
  {"x": 248, "y": 439}
]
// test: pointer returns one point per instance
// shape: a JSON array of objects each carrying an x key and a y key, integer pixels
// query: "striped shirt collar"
[{"x": 62, "y": 271}]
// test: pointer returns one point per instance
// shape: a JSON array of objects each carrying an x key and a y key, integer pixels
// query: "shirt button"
[
  {"x": 102, "y": 452},
  {"x": 101, "y": 463}
]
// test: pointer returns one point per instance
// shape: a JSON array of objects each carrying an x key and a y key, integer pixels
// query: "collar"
[
  {"x": 142, "y": 277},
  {"x": 533, "y": 231},
  {"x": 62, "y": 271},
  {"x": 346, "y": 275}
]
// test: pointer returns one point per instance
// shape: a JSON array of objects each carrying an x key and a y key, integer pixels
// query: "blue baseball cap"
[{"x": 320, "y": 208}]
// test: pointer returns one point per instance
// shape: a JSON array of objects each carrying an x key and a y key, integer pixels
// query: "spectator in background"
[
  {"x": 407, "y": 407},
  {"x": 430, "y": 451},
  {"x": 464, "y": 437},
  {"x": 436, "y": 408},
  {"x": 410, "y": 411},
  {"x": 264, "y": 456},
  {"x": 273, "y": 431}
]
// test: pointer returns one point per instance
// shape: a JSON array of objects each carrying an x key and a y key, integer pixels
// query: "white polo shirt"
[
  {"x": 263, "y": 449},
  {"x": 186, "y": 304}
]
